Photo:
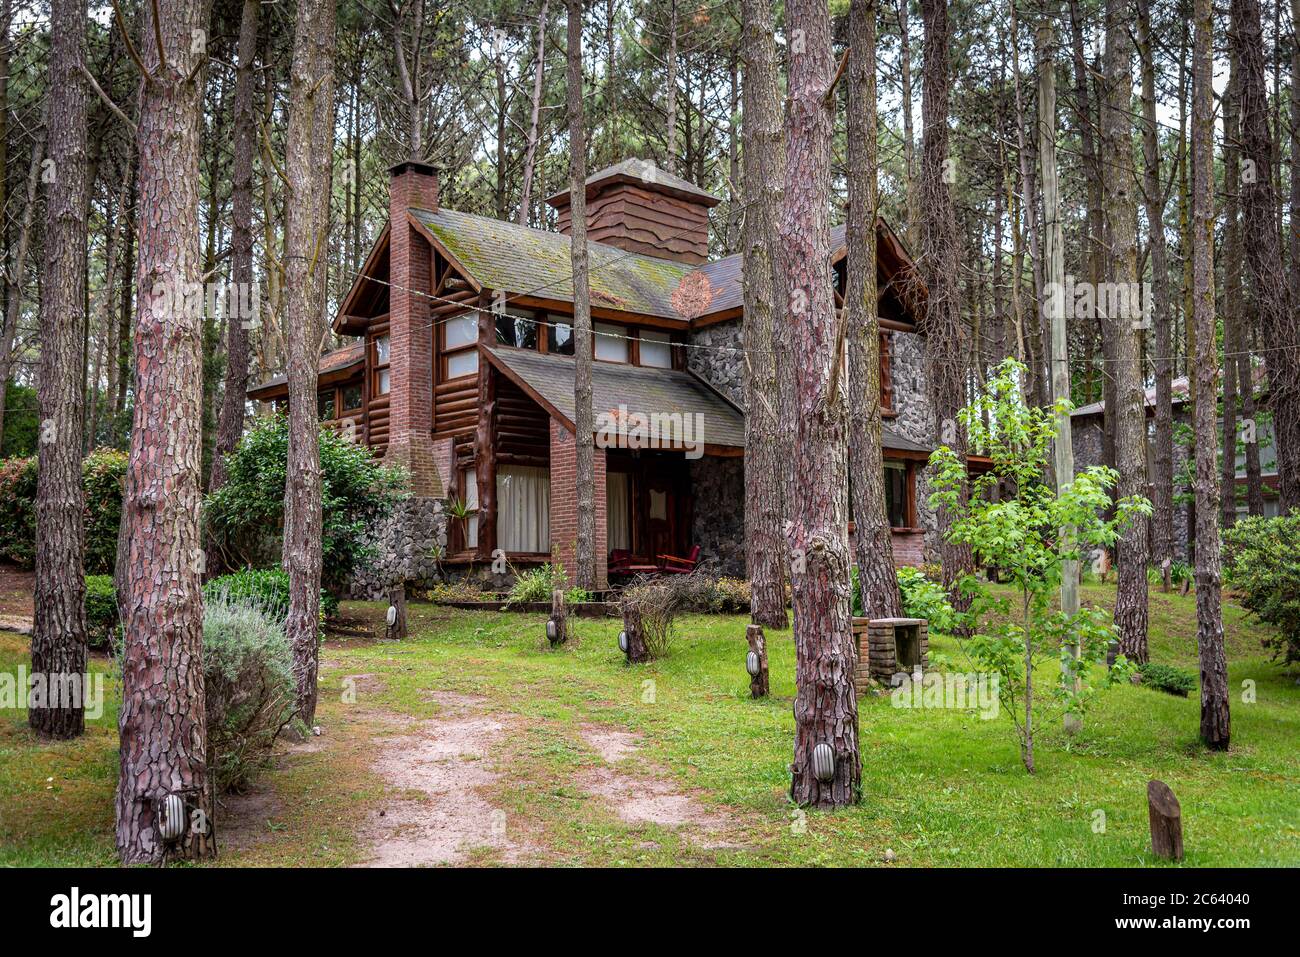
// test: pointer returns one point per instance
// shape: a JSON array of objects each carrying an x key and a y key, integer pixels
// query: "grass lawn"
[{"x": 940, "y": 787}]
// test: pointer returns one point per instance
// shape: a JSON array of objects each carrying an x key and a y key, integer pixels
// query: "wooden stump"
[
  {"x": 758, "y": 645},
  {"x": 1166, "y": 821},
  {"x": 636, "y": 650},
  {"x": 396, "y": 600},
  {"x": 557, "y": 618}
]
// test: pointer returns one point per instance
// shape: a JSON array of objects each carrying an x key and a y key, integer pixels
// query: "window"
[
  {"x": 896, "y": 494},
  {"x": 611, "y": 342},
  {"x": 517, "y": 329},
  {"x": 459, "y": 338},
  {"x": 656, "y": 349},
  {"x": 559, "y": 336},
  {"x": 325, "y": 404},
  {"x": 381, "y": 365},
  {"x": 469, "y": 482},
  {"x": 618, "y": 512},
  {"x": 352, "y": 397},
  {"x": 523, "y": 509}
]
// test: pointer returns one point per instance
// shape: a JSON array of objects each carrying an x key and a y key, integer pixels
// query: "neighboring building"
[
  {"x": 463, "y": 374},
  {"x": 1087, "y": 427}
]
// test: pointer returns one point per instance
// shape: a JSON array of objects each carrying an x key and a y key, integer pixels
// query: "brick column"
[
  {"x": 564, "y": 504},
  {"x": 410, "y": 441}
]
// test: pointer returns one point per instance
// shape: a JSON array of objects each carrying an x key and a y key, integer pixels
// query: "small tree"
[{"x": 1028, "y": 532}]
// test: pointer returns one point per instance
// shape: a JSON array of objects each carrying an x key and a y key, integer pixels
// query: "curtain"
[
  {"x": 470, "y": 484},
  {"x": 523, "y": 509},
  {"x": 617, "y": 511}
]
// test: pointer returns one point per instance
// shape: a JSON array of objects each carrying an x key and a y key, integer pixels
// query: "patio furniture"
[
  {"x": 621, "y": 562},
  {"x": 673, "y": 565}
]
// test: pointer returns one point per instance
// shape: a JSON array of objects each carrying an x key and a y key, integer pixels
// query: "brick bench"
[{"x": 887, "y": 646}]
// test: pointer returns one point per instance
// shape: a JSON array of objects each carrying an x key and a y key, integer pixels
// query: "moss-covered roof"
[{"x": 534, "y": 262}]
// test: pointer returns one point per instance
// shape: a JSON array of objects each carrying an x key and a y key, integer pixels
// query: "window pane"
[
  {"x": 559, "y": 336},
  {"x": 381, "y": 386},
  {"x": 462, "y": 330},
  {"x": 517, "y": 329},
  {"x": 656, "y": 349},
  {"x": 325, "y": 404},
  {"x": 381, "y": 350},
  {"x": 610, "y": 347},
  {"x": 351, "y": 397},
  {"x": 896, "y": 495},
  {"x": 469, "y": 482},
  {"x": 462, "y": 363}
]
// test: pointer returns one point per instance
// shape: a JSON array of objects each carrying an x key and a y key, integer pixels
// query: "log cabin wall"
[{"x": 376, "y": 402}]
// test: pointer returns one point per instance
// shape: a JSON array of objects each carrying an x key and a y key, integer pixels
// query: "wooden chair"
[{"x": 673, "y": 565}]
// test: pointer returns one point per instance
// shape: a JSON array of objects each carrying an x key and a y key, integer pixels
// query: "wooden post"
[
  {"x": 557, "y": 618},
  {"x": 636, "y": 650},
  {"x": 396, "y": 629},
  {"x": 758, "y": 645},
  {"x": 1166, "y": 821}
]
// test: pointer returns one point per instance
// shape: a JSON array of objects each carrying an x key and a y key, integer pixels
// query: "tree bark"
[
  {"x": 162, "y": 721},
  {"x": 59, "y": 636},
  {"x": 1166, "y": 820},
  {"x": 1271, "y": 295},
  {"x": 15, "y": 274},
  {"x": 230, "y": 424},
  {"x": 1125, "y": 330},
  {"x": 909, "y": 133},
  {"x": 877, "y": 578},
  {"x": 1232, "y": 305},
  {"x": 530, "y": 152},
  {"x": 585, "y": 557},
  {"x": 758, "y": 683},
  {"x": 826, "y": 708},
  {"x": 765, "y": 462},
  {"x": 1215, "y": 722},
  {"x": 946, "y": 341},
  {"x": 309, "y": 152}
]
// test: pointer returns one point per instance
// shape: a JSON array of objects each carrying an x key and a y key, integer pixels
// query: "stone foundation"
[
  {"x": 408, "y": 545},
  {"x": 880, "y": 641}
]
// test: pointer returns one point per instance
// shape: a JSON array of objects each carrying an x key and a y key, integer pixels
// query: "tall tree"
[
  {"x": 530, "y": 152},
  {"x": 1215, "y": 722},
  {"x": 1162, "y": 478},
  {"x": 585, "y": 546},
  {"x": 1124, "y": 329},
  {"x": 873, "y": 539},
  {"x": 308, "y": 163},
  {"x": 765, "y": 462},
  {"x": 59, "y": 637},
  {"x": 162, "y": 720},
  {"x": 826, "y": 707},
  {"x": 1270, "y": 294},
  {"x": 946, "y": 339},
  {"x": 230, "y": 425},
  {"x": 1232, "y": 311}
]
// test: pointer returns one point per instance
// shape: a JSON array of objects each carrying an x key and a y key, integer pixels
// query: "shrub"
[
  {"x": 536, "y": 584},
  {"x": 103, "y": 474},
  {"x": 267, "y": 588},
  {"x": 248, "y": 680},
  {"x": 659, "y": 600},
  {"x": 101, "y": 611},
  {"x": 576, "y": 595},
  {"x": 1262, "y": 564},
  {"x": 1167, "y": 678},
  {"x": 462, "y": 589},
  {"x": 244, "y": 519},
  {"x": 924, "y": 598}
]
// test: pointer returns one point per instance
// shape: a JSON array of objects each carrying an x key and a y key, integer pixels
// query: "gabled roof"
[
  {"x": 335, "y": 366},
  {"x": 642, "y": 173},
  {"x": 1180, "y": 393},
  {"x": 549, "y": 380}
]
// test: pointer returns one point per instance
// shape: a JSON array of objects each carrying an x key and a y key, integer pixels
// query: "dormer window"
[{"x": 656, "y": 349}]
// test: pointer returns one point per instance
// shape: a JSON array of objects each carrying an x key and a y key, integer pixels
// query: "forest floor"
[{"x": 472, "y": 742}]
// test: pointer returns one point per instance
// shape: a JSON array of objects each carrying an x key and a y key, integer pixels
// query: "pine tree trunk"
[
  {"x": 877, "y": 579},
  {"x": 585, "y": 559},
  {"x": 825, "y": 709},
  {"x": 59, "y": 638},
  {"x": 15, "y": 273},
  {"x": 1279, "y": 326},
  {"x": 162, "y": 721},
  {"x": 909, "y": 133},
  {"x": 1215, "y": 723},
  {"x": 309, "y": 151},
  {"x": 530, "y": 152},
  {"x": 946, "y": 341},
  {"x": 230, "y": 425},
  {"x": 1125, "y": 330},
  {"x": 1232, "y": 305},
  {"x": 765, "y": 462}
]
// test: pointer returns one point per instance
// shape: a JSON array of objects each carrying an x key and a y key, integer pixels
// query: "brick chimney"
[
  {"x": 412, "y": 185},
  {"x": 640, "y": 208}
]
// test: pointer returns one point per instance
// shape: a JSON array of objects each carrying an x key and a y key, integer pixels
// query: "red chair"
[
  {"x": 620, "y": 563},
  {"x": 672, "y": 565}
]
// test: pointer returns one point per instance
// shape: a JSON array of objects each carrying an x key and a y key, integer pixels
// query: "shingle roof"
[
  {"x": 640, "y": 390},
  {"x": 335, "y": 361},
  {"x": 526, "y": 261},
  {"x": 889, "y": 439}
]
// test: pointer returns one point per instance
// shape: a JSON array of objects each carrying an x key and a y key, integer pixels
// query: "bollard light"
[
  {"x": 550, "y": 629},
  {"x": 752, "y": 664},
  {"x": 823, "y": 762},
  {"x": 171, "y": 817},
  {"x": 392, "y": 615},
  {"x": 622, "y": 641}
]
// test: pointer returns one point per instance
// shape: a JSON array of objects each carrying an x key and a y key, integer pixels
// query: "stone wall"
[
  {"x": 914, "y": 420},
  {"x": 718, "y": 523},
  {"x": 408, "y": 544},
  {"x": 721, "y": 364}
]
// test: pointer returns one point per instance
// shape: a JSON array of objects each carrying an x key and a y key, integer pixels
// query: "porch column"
[{"x": 564, "y": 504}]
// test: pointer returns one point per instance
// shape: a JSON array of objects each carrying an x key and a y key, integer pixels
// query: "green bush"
[
  {"x": 249, "y": 687},
  {"x": 923, "y": 598},
  {"x": 1262, "y": 564},
  {"x": 103, "y": 474},
  {"x": 267, "y": 588},
  {"x": 536, "y": 584},
  {"x": 101, "y": 611},
  {"x": 244, "y": 519},
  {"x": 1167, "y": 678}
]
